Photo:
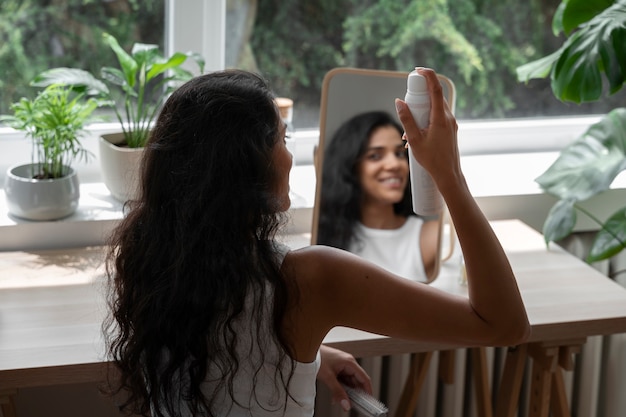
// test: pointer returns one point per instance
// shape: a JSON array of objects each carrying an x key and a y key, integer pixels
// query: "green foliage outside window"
[
  {"x": 478, "y": 43},
  {"x": 39, "y": 34}
]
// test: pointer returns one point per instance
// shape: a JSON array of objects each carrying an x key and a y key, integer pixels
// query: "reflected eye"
[
  {"x": 402, "y": 154},
  {"x": 373, "y": 156}
]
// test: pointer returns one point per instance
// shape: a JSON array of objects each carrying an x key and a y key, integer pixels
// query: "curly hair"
[
  {"x": 341, "y": 193},
  {"x": 195, "y": 243}
]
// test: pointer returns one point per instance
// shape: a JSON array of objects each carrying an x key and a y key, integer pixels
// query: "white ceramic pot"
[
  {"x": 35, "y": 199},
  {"x": 119, "y": 166}
]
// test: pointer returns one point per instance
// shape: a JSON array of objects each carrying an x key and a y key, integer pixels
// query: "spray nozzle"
[{"x": 416, "y": 83}]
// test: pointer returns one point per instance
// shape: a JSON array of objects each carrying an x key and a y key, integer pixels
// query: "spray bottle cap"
[{"x": 416, "y": 83}]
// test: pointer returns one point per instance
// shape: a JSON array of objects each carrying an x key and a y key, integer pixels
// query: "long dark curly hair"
[
  {"x": 193, "y": 245},
  {"x": 341, "y": 193}
]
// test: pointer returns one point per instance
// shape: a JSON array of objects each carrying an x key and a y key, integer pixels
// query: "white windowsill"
[
  {"x": 502, "y": 184},
  {"x": 500, "y": 177}
]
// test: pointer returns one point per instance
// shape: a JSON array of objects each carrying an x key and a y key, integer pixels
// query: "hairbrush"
[{"x": 365, "y": 404}]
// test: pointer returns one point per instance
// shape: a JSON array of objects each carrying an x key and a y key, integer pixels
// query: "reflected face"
[
  {"x": 384, "y": 167},
  {"x": 283, "y": 161}
]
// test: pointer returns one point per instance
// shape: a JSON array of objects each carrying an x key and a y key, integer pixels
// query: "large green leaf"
[
  {"x": 116, "y": 77},
  {"x": 589, "y": 164},
  {"x": 557, "y": 20},
  {"x": 611, "y": 239},
  {"x": 174, "y": 61},
  {"x": 560, "y": 221},
  {"x": 596, "y": 47},
  {"x": 537, "y": 69},
  {"x": 127, "y": 63},
  {"x": 576, "y": 12},
  {"x": 73, "y": 77}
]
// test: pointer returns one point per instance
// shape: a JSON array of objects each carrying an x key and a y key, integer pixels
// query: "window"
[
  {"x": 293, "y": 44},
  {"x": 37, "y": 34},
  {"x": 477, "y": 43}
]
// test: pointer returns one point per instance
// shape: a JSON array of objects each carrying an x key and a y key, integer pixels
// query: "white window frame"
[{"x": 197, "y": 25}]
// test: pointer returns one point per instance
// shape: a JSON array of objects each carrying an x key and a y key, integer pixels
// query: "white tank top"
[
  {"x": 260, "y": 392},
  {"x": 396, "y": 250}
]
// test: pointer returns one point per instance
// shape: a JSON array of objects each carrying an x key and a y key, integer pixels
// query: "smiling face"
[{"x": 384, "y": 168}]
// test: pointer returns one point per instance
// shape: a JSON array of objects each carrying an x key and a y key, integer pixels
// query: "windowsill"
[
  {"x": 98, "y": 213},
  {"x": 500, "y": 159},
  {"x": 503, "y": 185}
]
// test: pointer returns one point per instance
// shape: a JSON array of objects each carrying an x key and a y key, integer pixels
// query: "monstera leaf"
[
  {"x": 584, "y": 168},
  {"x": 592, "y": 56},
  {"x": 589, "y": 164},
  {"x": 560, "y": 221},
  {"x": 595, "y": 47},
  {"x": 611, "y": 239}
]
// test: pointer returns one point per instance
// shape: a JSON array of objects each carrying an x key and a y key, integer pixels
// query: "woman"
[
  {"x": 210, "y": 316},
  {"x": 365, "y": 202}
]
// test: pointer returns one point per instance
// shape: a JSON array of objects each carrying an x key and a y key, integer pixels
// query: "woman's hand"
[
  {"x": 435, "y": 147},
  {"x": 340, "y": 367}
]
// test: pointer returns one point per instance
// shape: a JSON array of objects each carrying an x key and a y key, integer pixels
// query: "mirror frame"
[{"x": 347, "y": 92}]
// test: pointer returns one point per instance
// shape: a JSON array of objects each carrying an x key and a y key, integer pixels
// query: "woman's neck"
[{"x": 381, "y": 217}]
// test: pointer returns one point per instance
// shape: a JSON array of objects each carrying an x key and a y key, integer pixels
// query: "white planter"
[
  {"x": 119, "y": 166},
  {"x": 35, "y": 199}
]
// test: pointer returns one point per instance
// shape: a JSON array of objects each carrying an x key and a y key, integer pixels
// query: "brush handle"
[{"x": 365, "y": 404}]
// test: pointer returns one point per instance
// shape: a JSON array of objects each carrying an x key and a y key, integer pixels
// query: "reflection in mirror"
[
  {"x": 363, "y": 196},
  {"x": 365, "y": 204}
]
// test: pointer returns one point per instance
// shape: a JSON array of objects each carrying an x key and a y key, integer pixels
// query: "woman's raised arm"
[{"x": 340, "y": 289}]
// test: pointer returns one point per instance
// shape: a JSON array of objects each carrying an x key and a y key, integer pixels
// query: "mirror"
[{"x": 346, "y": 93}]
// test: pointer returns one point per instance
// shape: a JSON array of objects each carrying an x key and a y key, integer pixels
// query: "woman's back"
[{"x": 260, "y": 370}]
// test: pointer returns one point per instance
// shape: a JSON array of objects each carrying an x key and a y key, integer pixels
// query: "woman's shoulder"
[
  {"x": 314, "y": 254},
  {"x": 319, "y": 261}
]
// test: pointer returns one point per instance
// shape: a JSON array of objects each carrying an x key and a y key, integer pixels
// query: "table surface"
[{"x": 52, "y": 304}]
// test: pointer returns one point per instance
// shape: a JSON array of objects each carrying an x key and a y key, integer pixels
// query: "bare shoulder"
[
  {"x": 315, "y": 264},
  {"x": 318, "y": 272},
  {"x": 339, "y": 288},
  {"x": 315, "y": 253},
  {"x": 320, "y": 262}
]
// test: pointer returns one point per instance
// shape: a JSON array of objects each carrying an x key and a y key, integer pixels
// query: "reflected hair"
[
  {"x": 196, "y": 242},
  {"x": 341, "y": 192}
]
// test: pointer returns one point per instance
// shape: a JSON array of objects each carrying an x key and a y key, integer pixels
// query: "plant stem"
[
  {"x": 591, "y": 216},
  {"x": 602, "y": 226}
]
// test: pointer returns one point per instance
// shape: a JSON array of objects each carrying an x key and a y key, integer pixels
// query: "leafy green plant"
[
  {"x": 143, "y": 81},
  {"x": 592, "y": 55},
  {"x": 54, "y": 120}
]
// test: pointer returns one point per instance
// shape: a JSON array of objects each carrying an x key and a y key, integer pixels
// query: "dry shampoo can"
[{"x": 427, "y": 200}]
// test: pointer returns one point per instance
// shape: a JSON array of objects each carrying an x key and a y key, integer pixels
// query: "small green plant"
[
  {"x": 142, "y": 82},
  {"x": 591, "y": 60},
  {"x": 54, "y": 120}
]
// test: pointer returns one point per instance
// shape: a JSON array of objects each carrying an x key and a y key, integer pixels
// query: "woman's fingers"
[
  {"x": 435, "y": 91},
  {"x": 411, "y": 131}
]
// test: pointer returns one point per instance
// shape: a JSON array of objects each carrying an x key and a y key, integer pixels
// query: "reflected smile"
[{"x": 393, "y": 181}]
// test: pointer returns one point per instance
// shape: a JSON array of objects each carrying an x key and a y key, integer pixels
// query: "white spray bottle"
[{"x": 427, "y": 200}]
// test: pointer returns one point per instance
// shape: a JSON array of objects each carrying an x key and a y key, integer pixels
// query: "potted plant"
[
  {"x": 139, "y": 86},
  {"x": 592, "y": 55},
  {"x": 48, "y": 187}
]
